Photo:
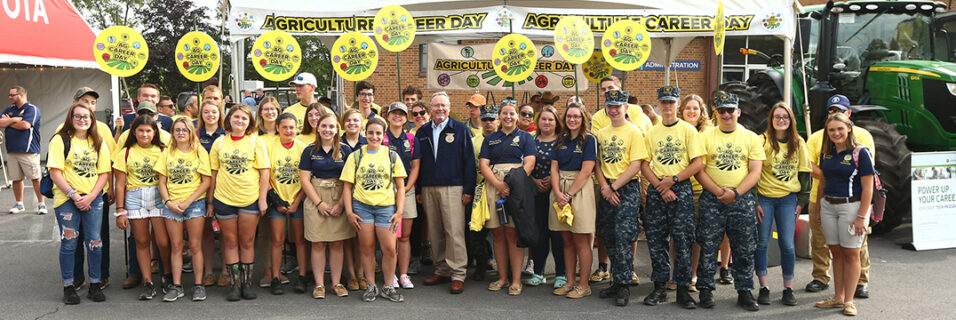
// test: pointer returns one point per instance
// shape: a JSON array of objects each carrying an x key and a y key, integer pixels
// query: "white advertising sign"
[{"x": 934, "y": 200}]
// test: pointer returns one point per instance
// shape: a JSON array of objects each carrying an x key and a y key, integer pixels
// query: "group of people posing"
[{"x": 342, "y": 185}]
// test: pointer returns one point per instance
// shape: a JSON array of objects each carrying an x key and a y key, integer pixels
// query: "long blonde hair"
[
  {"x": 193, "y": 138},
  {"x": 850, "y": 142},
  {"x": 703, "y": 120}
]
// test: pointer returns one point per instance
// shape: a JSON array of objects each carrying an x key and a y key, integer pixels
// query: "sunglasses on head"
[
  {"x": 419, "y": 113},
  {"x": 527, "y": 114},
  {"x": 511, "y": 101},
  {"x": 726, "y": 110}
]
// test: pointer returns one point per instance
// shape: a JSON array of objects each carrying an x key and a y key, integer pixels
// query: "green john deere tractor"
[{"x": 893, "y": 59}]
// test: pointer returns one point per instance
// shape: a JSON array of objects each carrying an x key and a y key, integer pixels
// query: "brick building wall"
[{"x": 642, "y": 84}]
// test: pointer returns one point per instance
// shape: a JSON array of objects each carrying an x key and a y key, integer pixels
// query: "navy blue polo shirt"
[
  {"x": 542, "y": 158},
  {"x": 206, "y": 139},
  {"x": 23, "y": 140},
  {"x": 403, "y": 147},
  {"x": 321, "y": 163},
  {"x": 499, "y": 147},
  {"x": 842, "y": 175},
  {"x": 570, "y": 155},
  {"x": 454, "y": 164},
  {"x": 361, "y": 142},
  {"x": 165, "y": 122}
]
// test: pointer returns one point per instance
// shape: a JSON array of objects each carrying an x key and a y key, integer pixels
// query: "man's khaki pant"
[
  {"x": 820, "y": 253},
  {"x": 446, "y": 228}
]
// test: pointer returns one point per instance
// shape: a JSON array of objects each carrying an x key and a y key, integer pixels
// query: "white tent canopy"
[{"x": 672, "y": 24}]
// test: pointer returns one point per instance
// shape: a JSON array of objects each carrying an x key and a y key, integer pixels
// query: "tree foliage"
[{"x": 104, "y": 14}]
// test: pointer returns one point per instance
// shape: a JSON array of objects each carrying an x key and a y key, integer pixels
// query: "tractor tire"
[
  {"x": 893, "y": 163},
  {"x": 753, "y": 111}
]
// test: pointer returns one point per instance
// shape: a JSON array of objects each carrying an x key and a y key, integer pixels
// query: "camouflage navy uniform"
[
  {"x": 740, "y": 222},
  {"x": 619, "y": 227},
  {"x": 674, "y": 219}
]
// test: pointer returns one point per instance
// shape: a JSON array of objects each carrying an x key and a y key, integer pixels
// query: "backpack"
[
  {"x": 392, "y": 156},
  {"x": 879, "y": 193},
  {"x": 46, "y": 183}
]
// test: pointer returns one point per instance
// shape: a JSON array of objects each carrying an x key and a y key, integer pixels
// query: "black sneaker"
[
  {"x": 745, "y": 300},
  {"x": 609, "y": 291},
  {"x": 298, "y": 285},
  {"x": 391, "y": 294},
  {"x": 188, "y": 267},
  {"x": 149, "y": 291},
  {"x": 725, "y": 277},
  {"x": 69, "y": 295},
  {"x": 96, "y": 292},
  {"x": 862, "y": 292},
  {"x": 623, "y": 295},
  {"x": 788, "y": 298},
  {"x": 706, "y": 298},
  {"x": 763, "y": 297},
  {"x": 275, "y": 286},
  {"x": 79, "y": 283},
  {"x": 816, "y": 286}
]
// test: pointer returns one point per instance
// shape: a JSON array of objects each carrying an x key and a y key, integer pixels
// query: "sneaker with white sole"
[
  {"x": 173, "y": 293},
  {"x": 199, "y": 293},
  {"x": 391, "y": 294},
  {"x": 17, "y": 208},
  {"x": 41, "y": 209},
  {"x": 370, "y": 293},
  {"x": 406, "y": 282}
]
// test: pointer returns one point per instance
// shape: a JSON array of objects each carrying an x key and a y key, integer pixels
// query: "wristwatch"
[{"x": 676, "y": 179}]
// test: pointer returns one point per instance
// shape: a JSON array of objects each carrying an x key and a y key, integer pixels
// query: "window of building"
[
  {"x": 423, "y": 58},
  {"x": 739, "y": 67}
]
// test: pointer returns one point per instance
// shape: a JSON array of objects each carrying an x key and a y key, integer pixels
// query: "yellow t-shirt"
[
  {"x": 815, "y": 148},
  {"x": 238, "y": 164},
  {"x": 600, "y": 120},
  {"x": 164, "y": 137},
  {"x": 371, "y": 182},
  {"x": 183, "y": 116},
  {"x": 138, "y": 166},
  {"x": 298, "y": 110},
  {"x": 183, "y": 171},
  {"x": 618, "y": 147},
  {"x": 728, "y": 154},
  {"x": 778, "y": 177},
  {"x": 82, "y": 166},
  {"x": 284, "y": 172},
  {"x": 671, "y": 148},
  {"x": 306, "y": 139},
  {"x": 475, "y": 131}
]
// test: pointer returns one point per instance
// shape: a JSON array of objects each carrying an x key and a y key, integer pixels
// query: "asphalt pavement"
[{"x": 904, "y": 285}]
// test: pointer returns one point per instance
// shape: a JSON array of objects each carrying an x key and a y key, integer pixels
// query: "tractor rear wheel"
[{"x": 893, "y": 163}]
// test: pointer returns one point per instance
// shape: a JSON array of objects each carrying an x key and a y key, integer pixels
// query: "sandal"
[
  {"x": 513, "y": 291},
  {"x": 829, "y": 303},
  {"x": 497, "y": 286}
]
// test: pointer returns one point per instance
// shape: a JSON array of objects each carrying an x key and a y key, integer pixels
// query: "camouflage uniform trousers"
[
  {"x": 738, "y": 219},
  {"x": 619, "y": 227},
  {"x": 666, "y": 220}
]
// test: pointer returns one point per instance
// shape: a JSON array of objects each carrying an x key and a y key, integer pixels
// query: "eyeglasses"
[
  {"x": 81, "y": 117},
  {"x": 781, "y": 118},
  {"x": 166, "y": 105},
  {"x": 834, "y": 110},
  {"x": 488, "y": 119},
  {"x": 726, "y": 110},
  {"x": 511, "y": 101},
  {"x": 419, "y": 113},
  {"x": 366, "y": 95},
  {"x": 180, "y": 130},
  {"x": 527, "y": 114},
  {"x": 13, "y": 94}
]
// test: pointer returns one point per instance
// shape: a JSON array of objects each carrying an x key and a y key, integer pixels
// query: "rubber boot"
[
  {"x": 235, "y": 294},
  {"x": 684, "y": 299},
  {"x": 658, "y": 296},
  {"x": 248, "y": 292}
]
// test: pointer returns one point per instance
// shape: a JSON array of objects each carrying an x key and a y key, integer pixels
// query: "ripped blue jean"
[{"x": 71, "y": 219}]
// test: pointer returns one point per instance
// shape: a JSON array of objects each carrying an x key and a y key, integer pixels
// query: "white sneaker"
[
  {"x": 17, "y": 208},
  {"x": 406, "y": 282},
  {"x": 41, "y": 209}
]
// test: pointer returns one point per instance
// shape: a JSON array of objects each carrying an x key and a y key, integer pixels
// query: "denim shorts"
[
  {"x": 196, "y": 210},
  {"x": 369, "y": 214},
  {"x": 224, "y": 211},
  {"x": 274, "y": 214},
  {"x": 144, "y": 202}
]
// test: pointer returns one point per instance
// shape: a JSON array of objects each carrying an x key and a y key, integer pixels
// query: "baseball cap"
[
  {"x": 725, "y": 100},
  {"x": 146, "y": 106},
  {"x": 489, "y": 112},
  {"x": 304, "y": 78},
  {"x": 85, "y": 91},
  {"x": 668, "y": 93},
  {"x": 476, "y": 100},
  {"x": 615, "y": 98},
  {"x": 397, "y": 106},
  {"x": 839, "y": 101}
]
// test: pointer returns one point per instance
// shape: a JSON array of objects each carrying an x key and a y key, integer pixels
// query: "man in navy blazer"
[{"x": 447, "y": 180}]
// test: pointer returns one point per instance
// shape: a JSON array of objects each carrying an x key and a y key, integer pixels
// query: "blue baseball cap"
[{"x": 838, "y": 101}]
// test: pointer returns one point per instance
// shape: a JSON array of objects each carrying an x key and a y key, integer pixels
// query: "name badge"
[{"x": 450, "y": 137}]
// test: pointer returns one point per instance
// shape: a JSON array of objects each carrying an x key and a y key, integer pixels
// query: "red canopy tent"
[{"x": 47, "y": 48}]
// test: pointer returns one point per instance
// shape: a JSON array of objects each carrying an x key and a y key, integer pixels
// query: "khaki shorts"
[{"x": 24, "y": 165}]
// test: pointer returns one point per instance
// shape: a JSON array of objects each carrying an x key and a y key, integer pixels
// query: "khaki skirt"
[
  {"x": 583, "y": 205},
  {"x": 500, "y": 170},
  {"x": 411, "y": 207},
  {"x": 322, "y": 228}
]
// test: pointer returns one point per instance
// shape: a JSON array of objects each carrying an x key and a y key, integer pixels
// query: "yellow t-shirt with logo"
[
  {"x": 600, "y": 120},
  {"x": 815, "y": 148},
  {"x": 138, "y": 166},
  {"x": 618, "y": 147},
  {"x": 306, "y": 139},
  {"x": 80, "y": 168},
  {"x": 671, "y": 148},
  {"x": 371, "y": 180},
  {"x": 284, "y": 172},
  {"x": 164, "y": 137},
  {"x": 183, "y": 171},
  {"x": 728, "y": 154},
  {"x": 778, "y": 177},
  {"x": 238, "y": 164},
  {"x": 107, "y": 136}
]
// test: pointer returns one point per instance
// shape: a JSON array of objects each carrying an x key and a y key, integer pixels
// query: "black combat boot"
[
  {"x": 745, "y": 300},
  {"x": 610, "y": 291},
  {"x": 658, "y": 296},
  {"x": 684, "y": 299},
  {"x": 623, "y": 295},
  {"x": 706, "y": 298}
]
